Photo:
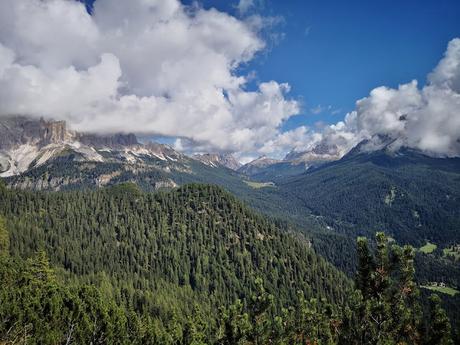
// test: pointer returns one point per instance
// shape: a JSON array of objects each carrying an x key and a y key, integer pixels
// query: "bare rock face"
[
  {"x": 4, "y": 163},
  {"x": 16, "y": 131},
  {"x": 163, "y": 152},
  {"x": 215, "y": 159},
  {"x": 20, "y": 130},
  {"x": 320, "y": 153},
  {"x": 53, "y": 132}
]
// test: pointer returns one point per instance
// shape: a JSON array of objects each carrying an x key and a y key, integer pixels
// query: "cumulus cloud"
[
  {"x": 146, "y": 66},
  {"x": 426, "y": 118},
  {"x": 158, "y": 67}
]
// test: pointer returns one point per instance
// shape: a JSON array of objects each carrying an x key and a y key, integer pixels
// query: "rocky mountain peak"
[
  {"x": 52, "y": 132},
  {"x": 216, "y": 159},
  {"x": 20, "y": 130},
  {"x": 320, "y": 153}
]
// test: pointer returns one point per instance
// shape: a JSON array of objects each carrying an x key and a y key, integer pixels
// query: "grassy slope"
[
  {"x": 442, "y": 289},
  {"x": 428, "y": 248}
]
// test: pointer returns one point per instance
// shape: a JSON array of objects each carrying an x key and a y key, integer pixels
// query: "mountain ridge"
[
  {"x": 28, "y": 143},
  {"x": 215, "y": 159}
]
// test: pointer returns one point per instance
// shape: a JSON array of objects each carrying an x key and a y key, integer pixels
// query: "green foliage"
[
  {"x": 442, "y": 289},
  {"x": 38, "y": 307},
  {"x": 452, "y": 252},
  {"x": 161, "y": 254},
  {"x": 439, "y": 325},
  {"x": 35, "y": 308},
  {"x": 428, "y": 248},
  {"x": 4, "y": 238}
]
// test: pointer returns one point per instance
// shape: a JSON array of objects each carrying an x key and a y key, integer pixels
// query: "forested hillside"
[
  {"x": 410, "y": 196},
  {"x": 40, "y": 305},
  {"x": 197, "y": 242}
]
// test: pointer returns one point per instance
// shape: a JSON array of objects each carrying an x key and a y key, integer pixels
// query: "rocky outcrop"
[
  {"x": 257, "y": 165},
  {"x": 163, "y": 152},
  {"x": 320, "y": 153},
  {"x": 53, "y": 132},
  {"x": 20, "y": 130},
  {"x": 215, "y": 160}
]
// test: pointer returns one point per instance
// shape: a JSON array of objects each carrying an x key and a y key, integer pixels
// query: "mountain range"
[
  {"x": 29, "y": 143},
  {"x": 321, "y": 200},
  {"x": 376, "y": 186}
]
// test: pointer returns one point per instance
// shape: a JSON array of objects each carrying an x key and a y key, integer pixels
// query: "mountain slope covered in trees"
[
  {"x": 410, "y": 196},
  {"x": 196, "y": 239},
  {"x": 38, "y": 306}
]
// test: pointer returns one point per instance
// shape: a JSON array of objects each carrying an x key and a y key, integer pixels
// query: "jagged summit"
[
  {"x": 26, "y": 143},
  {"x": 20, "y": 130},
  {"x": 215, "y": 160},
  {"x": 320, "y": 153}
]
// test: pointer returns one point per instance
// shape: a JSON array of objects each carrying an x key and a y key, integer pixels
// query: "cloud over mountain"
[
  {"x": 162, "y": 68},
  {"x": 147, "y": 66},
  {"x": 426, "y": 118}
]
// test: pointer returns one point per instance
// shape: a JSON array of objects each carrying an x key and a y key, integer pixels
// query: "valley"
[
  {"x": 241, "y": 172},
  {"x": 408, "y": 195}
]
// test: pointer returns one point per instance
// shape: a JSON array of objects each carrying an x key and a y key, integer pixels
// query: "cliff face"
[
  {"x": 27, "y": 144},
  {"x": 53, "y": 132},
  {"x": 19, "y": 130},
  {"x": 319, "y": 153},
  {"x": 15, "y": 131}
]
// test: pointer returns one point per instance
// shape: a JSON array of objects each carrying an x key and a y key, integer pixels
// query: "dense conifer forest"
[{"x": 192, "y": 266}]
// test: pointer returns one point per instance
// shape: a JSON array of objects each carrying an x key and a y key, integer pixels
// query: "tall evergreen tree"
[{"x": 439, "y": 325}]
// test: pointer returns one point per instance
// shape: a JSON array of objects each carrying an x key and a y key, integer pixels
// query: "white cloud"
[
  {"x": 245, "y": 5},
  {"x": 425, "y": 118},
  {"x": 447, "y": 73},
  {"x": 159, "y": 67},
  {"x": 284, "y": 142},
  {"x": 147, "y": 66}
]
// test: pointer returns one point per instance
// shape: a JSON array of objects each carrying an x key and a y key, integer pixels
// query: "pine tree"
[{"x": 439, "y": 326}]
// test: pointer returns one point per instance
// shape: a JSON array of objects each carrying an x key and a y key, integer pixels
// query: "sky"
[
  {"x": 249, "y": 77},
  {"x": 334, "y": 52}
]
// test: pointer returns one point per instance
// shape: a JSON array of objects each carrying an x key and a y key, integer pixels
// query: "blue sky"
[
  {"x": 333, "y": 52},
  {"x": 159, "y": 69}
]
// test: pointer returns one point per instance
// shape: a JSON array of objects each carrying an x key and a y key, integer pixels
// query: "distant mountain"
[
  {"x": 26, "y": 144},
  {"x": 266, "y": 169},
  {"x": 294, "y": 163},
  {"x": 377, "y": 186},
  {"x": 257, "y": 165},
  {"x": 411, "y": 196},
  {"x": 46, "y": 155},
  {"x": 215, "y": 160},
  {"x": 318, "y": 154}
]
